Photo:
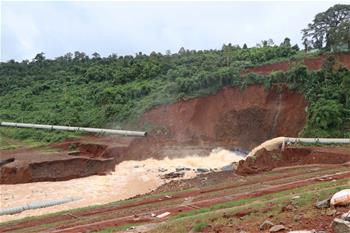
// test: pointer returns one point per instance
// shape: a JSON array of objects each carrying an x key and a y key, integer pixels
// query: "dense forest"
[{"x": 96, "y": 91}]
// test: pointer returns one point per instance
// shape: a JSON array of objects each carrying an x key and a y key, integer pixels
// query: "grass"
[
  {"x": 214, "y": 214},
  {"x": 198, "y": 227},
  {"x": 114, "y": 229}
]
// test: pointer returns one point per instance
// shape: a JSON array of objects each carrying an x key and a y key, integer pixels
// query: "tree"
[
  {"x": 245, "y": 46},
  {"x": 182, "y": 51},
  {"x": 96, "y": 56},
  {"x": 286, "y": 42},
  {"x": 40, "y": 57},
  {"x": 329, "y": 27}
]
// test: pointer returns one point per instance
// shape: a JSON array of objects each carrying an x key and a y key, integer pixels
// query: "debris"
[
  {"x": 340, "y": 226},
  {"x": 277, "y": 228},
  {"x": 179, "y": 169},
  {"x": 5, "y": 161},
  {"x": 168, "y": 196},
  {"x": 227, "y": 168},
  {"x": 303, "y": 231},
  {"x": 341, "y": 198},
  {"x": 173, "y": 175},
  {"x": 163, "y": 215},
  {"x": 162, "y": 169},
  {"x": 346, "y": 216},
  {"x": 295, "y": 197},
  {"x": 288, "y": 208},
  {"x": 202, "y": 170},
  {"x": 323, "y": 204},
  {"x": 266, "y": 225},
  {"x": 331, "y": 212}
]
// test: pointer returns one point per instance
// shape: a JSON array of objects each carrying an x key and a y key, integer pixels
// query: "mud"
[
  {"x": 33, "y": 166},
  {"x": 146, "y": 175},
  {"x": 291, "y": 156}
]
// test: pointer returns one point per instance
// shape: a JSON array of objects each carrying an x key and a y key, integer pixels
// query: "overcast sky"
[{"x": 56, "y": 28}]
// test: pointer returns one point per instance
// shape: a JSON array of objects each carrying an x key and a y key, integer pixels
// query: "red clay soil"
[
  {"x": 267, "y": 160},
  {"x": 232, "y": 117},
  {"x": 32, "y": 165},
  {"x": 145, "y": 216},
  {"x": 312, "y": 63}
]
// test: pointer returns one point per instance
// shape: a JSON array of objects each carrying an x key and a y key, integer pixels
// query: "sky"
[{"x": 129, "y": 27}]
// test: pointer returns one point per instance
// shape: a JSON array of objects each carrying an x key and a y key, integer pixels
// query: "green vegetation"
[
  {"x": 224, "y": 214},
  {"x": 96, "y": 92},
  {"x": 329, "y": 30},
  {"x": 198, "y": 227}
]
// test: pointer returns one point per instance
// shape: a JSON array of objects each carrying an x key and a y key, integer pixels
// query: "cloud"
[{"x": 56, "y": 28}]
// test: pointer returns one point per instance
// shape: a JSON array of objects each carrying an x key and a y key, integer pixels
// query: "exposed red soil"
[
  {"x": 33, "y": 166},
  {"x": 267, "y": 160},
  {"x": 232, "y": 117},
  {"x": 143, "y": 216},
  {"x": 312, "y": 63}
]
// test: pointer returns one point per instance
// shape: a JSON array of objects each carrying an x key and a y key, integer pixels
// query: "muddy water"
[{"x": 129, "y": 179}]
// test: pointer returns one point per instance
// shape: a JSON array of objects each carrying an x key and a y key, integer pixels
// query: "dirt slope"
[
  {"x": 232, "y": 117},
  {"x": 293, "y": 156},
  {"x": 312, "y": 63}
]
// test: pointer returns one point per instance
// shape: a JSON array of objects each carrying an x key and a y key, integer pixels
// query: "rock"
[
  {"x": 331, "y": 212},
  {"x": 341, "y": 198},
  {"x": 288, "y": 208},
  {"x": 303, "y": 231},
  {"x": 340, "y": 226},
  {"x": 162, "y": 169},
  {"x": 202, "y": 170},
  {"x": 277, "y": 228},
  {"x": 295, "y": 197},
  {"x": 323, "y": 204},
  {"x": 173, "y": 175},
  {"x": 266, "y": 225},
  {"x": 227, "y": 168},
  {"x": 346, "y": 216},
  {"x": 179, "y": 169}
]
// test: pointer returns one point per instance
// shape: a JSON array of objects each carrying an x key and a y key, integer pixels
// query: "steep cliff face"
[{"x": 232, "y": 117}]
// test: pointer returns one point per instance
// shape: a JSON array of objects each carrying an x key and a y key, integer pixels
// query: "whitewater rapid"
[{"x": 129, "y": 179}]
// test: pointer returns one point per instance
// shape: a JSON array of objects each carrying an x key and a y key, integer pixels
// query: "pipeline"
[
  {"x": 36, "y": 205},
  {"x": 280, "y": 142},
  {"x": 81, "y": 129}
]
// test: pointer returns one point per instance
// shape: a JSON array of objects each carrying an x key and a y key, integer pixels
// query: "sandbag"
[{"x": 341, "y": 198}]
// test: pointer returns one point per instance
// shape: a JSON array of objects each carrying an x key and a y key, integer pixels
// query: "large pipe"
[
  {"x": 318, "y": 140},
  {"x": 36, "y": 205},
  {"x": 81, "y": 129},
  {"x": 280, "y": 142}
]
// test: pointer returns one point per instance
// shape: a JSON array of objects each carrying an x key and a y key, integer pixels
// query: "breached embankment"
[
  {"x": 231, "y": 118},
  {"x": 129, "y": 179}
]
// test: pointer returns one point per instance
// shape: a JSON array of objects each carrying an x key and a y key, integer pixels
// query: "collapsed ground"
[
  {"x": 233, "y": 118},
  {"x": 221, "y": 202}
]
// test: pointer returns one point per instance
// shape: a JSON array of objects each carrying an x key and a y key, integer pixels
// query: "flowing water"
[{"x": 130, "y": 178}]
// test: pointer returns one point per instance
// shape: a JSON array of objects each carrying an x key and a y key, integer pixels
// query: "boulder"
[
  {"x": 266, "y": 225},
  {"x": 303, "y": 231},
  {"x": 340, "y": 226},
  {"x": 202, "y": 170},
  {"x": 277, "y": 228},
  {"x": 323, "y": 204},
  {"x": 346, "y": 216},
  {"x": 341, "y": 198}
]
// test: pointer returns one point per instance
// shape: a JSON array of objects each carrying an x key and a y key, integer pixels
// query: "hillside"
[{"x": 116, "y": 91}]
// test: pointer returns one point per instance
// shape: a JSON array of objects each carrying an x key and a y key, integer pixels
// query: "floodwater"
[{"x": 129, "y": 179}]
